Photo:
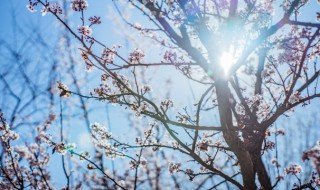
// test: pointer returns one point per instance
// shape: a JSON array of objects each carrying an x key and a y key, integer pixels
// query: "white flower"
[
  {"x": 293, "y": 169},
  {"x": 96, "y": 127},
  {"x": 136, "y": 56},
  {"x": 31, "y": 8},
  {"x": 23, "y": 151},
  {"x": 85, "y": 30},
  {"x": 63, "y": 88},
  {"x": 173, "y": 168},
  {"x": 166, "y": 104},
  {"x": 122, "y": 183},
  {"x": 294, "y": 98},
  {"x": 79, "y": 5},
  {"x": 108, "y": 55},
  {"x": 44, "y": 10},
  {"x": 314, "y": 156},
  {"x": 147, "y": 88}
]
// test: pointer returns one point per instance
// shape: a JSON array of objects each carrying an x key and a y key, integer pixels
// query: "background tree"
[{"x": 247, "y": 62}]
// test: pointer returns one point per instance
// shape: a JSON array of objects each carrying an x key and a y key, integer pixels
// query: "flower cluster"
[
  {"x": 31, "y": 8},
  {"x": 166, "y": 104},
  {"x": 140, "y": 108},
  {"x": 263, "y": 107},
  {"x": 55, "y": 8},
  {"x": 86, "y": 59},
  {"x": 170, "y": 56},
  {"x": 204, "y": 144},
  {"x": 314, "y": 156},
  {"x": 108, "y": 55},
  {"x": 293, "y": 169},
  {"x": 136, "y": 56},
  {"x": 295, "y": 97},
  {"x": 44, "y": 10},
  {"x": 84, "y": 155},
  {"x": 63, "y": 148},
  {"x": 101, "y": 138},
  {"x": 85, "y": 30},
  {"x": 182, "y": 118},
  {"x": 269, "y": 145},
  {"x": 63, "y": 88},
  {"x": 79, "y": 5},
  {"x": 7, "y": 134},
  {"x": 174, "y": 167},
  {"x": 94, "y": 20},
  {"x": 34, "y": 157},
  {"x": 146, "y": 89}
]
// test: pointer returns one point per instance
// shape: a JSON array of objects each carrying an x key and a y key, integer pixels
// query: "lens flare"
[{"x": 227, "y": 59}]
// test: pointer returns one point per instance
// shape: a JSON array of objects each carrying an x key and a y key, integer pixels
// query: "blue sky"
[{"x": 110, "y": 34}]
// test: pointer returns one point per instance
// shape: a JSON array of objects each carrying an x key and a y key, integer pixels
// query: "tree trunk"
[
  {"x": 247, "y": 170},
  {"x": 263, "y": 177},
  {"x": 232, "y": 139}
]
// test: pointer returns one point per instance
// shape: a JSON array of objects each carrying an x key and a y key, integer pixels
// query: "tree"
[{"x": 255, "y": 60}]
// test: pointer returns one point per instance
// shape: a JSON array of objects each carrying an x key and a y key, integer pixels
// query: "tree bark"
[
  {"x": 263, "y": 176},
  {"x": 247, "y": 170},
  {"x": 231, "y": 137}
]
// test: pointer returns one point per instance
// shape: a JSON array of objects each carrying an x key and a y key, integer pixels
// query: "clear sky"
[{"x": 110, "y": 33}]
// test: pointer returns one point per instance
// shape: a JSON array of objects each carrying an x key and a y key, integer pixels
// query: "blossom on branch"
[
  {"x": 85, "y": 30},
  {"x": 79, "y": 5}
]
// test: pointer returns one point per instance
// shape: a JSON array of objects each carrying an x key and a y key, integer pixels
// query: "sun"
[{"x": 227, "y": 59}]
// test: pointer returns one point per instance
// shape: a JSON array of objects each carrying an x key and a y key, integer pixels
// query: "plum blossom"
[
  {"x": 84, "y": 155},
  {"x": 314, "y": 156},
  {"x": 293, "y": 169},
  {"x": 166, "y": 104},
  {"x": 64, "y": 90},
  {"x": 104, "y": 77},
  {"x": 31, "y": 8},
  {"x": 85, "y": 30},
  {"x": 174, "y": 167},
  {"x": 44, "y": 10},
  {"x": 136, "y": 56},
  {"x": 63, "y": 148},
  {"x": 269, "y": 145},
  {"x": 204, "y": 144},
  {"x": 97, "y": 127},
  {"x": 79, "y": 5},
  {"x": 94, "y": 20},
  {"x": 55, "y": 8},
  {"x": 146, "y": 89},
  {"x": 140, "y": 108},
  {"x": 108, "y": 55},
  {"x": 101, "y": 138},
  {"x": 189, "y": 171},
  {"x": 183, "y": 118},
  {"x": 170, "y": 56},
  {"x": 295, "y": 97},
  {"x": 7, "y": 133}
]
